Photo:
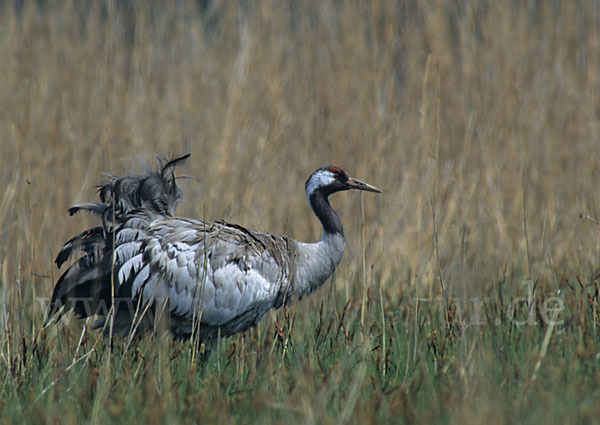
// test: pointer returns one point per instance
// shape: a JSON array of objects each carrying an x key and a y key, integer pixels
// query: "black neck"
[{"x": 319, "y": 203}]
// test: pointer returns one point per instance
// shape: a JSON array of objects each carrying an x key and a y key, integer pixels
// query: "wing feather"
[{"x": 232, "y": 276}]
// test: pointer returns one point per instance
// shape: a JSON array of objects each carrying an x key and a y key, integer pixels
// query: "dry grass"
[{"x": 479, "y": 120}]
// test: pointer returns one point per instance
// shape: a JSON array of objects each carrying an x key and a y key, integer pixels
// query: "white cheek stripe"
[{"x": 318, "y": 179}]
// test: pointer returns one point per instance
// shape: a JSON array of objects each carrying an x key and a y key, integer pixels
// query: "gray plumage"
[{"x": 219, "y": 275}]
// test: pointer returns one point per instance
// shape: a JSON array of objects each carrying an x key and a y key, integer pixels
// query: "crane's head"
[{"x": 328, "y": 180}]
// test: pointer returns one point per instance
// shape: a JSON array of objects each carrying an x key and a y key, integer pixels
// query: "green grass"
[
  {"x": 479, "y": 120},
  {"x": 314, "y": 362}
]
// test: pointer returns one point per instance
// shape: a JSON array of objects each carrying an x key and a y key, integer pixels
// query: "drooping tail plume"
[{"x": 85, "y": 286}]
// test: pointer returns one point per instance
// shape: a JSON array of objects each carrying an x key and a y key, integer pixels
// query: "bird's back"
[{"x": 215, "y": 273}]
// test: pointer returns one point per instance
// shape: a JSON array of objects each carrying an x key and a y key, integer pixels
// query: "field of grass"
[{"x": 469, "y": 290}]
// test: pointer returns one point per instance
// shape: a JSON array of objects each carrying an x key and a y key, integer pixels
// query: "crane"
[{"x": 216, "y": 277}]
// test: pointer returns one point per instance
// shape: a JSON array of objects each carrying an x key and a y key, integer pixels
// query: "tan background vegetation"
[{"x": 487, "y": 111}]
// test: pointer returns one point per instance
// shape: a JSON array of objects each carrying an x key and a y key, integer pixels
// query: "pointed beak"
[{"x": 353, "y": 183}]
